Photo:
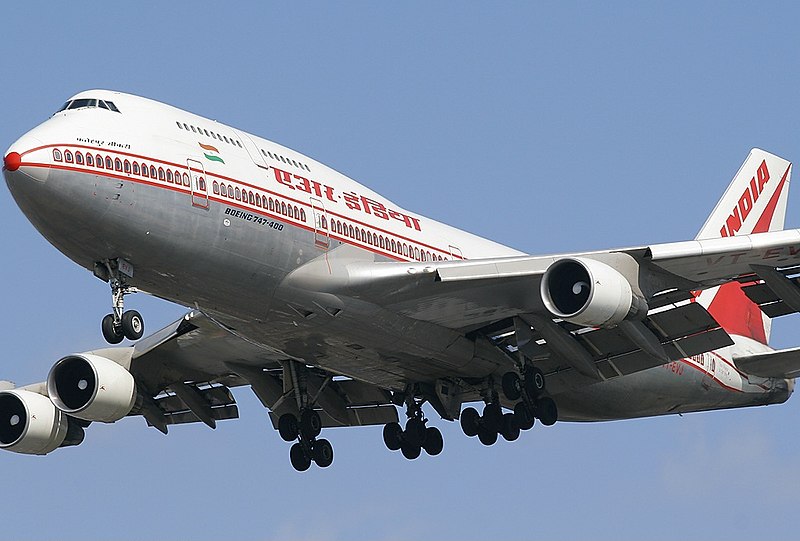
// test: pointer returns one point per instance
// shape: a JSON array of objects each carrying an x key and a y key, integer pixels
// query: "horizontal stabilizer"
[{"x": 784, "y": 363}]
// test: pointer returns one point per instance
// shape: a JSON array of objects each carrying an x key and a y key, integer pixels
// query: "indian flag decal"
[{"x": 211, "y": 153}]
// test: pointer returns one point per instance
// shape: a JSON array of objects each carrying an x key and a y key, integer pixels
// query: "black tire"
[
  {"x": 111, "y": 333},
  {"x": 470, "y": 421},
  {"x": 288, "y": 427},
  {"x": 510, "y": 430},
  {"x": 310, "y": 424},
  {"x": 300, "y": 461},
  {"x": 132, "y": 325},
  {"x": 434, "y": 443},
  {"x": 534, "y": 382},
  {"x": 547, "y": 411},
  {"x": 323, "y": 453},
  {"x": 524, "y": 416},
  {"x": 512, "y": 386},
  {"x": 414, "y": 432},
  {"x": 493, "y": 417},
  {"x": 393, "y": 436},
  {"x": 487, "y": 437},
  {"x": 410, "y": 450}
]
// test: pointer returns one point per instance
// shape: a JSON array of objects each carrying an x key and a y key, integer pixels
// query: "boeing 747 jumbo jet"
[{"x": 337, "y": 307}]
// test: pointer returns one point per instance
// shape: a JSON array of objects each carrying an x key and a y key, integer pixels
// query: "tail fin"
[{"x": 755, "y": 202}]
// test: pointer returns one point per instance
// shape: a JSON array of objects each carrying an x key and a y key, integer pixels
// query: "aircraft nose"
[{"x": 12, "y": 161}]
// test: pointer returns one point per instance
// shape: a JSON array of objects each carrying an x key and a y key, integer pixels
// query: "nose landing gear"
[{"x": 119, "y": 323}]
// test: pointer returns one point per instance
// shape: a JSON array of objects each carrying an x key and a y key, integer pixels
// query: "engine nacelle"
[
  {"x": 92, "y": 388},
  {"x": 590, "y": 293},
  {"x": 30, "y": 423}
]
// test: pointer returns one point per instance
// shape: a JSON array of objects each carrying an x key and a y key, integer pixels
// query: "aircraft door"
[
  {"x": 197, "y": 183},
  {"x": 709, "y": 369},
  {"x": 321, "y": 234}
]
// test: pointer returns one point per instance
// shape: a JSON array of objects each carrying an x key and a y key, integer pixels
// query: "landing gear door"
[
  {"x": 197, "y": 183},
  {"x": 321, "y": 236}
]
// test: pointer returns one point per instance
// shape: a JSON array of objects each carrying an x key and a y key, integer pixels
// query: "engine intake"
[
  {"x": 590, "y": 293},
  {"x": 32, "y": 425},
  {"x": 92, "y": 388}
]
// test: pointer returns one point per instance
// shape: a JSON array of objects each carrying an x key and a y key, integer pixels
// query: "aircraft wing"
[
  {"x": 189, "y": 366},
  {"x": 501, "y": 299}
]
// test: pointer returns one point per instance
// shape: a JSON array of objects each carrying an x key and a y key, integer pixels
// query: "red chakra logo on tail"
[{"x": 746, "y": 202}]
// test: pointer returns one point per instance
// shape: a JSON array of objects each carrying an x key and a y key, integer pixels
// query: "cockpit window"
[{"x": 88, "y": 103}]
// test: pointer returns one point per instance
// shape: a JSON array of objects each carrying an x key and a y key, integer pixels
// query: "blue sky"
[{"x": 546, "y": 126}]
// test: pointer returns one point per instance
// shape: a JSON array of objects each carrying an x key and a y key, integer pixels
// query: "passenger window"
[
  {"x": 127, "y": 166},
  {"x": 144, "y": 170},
  {"x": 89, "y": 160},
  {"x": 57, "y": 155},
  {"x": 202, "y": 184},
  {"x": 136, "y": 168},
  {"x": 303, "y": 215},
  {"x": 79, "y": 158},
  {"x": 215, "y": 187},
  {"x": 194, "y": 130},
  {"x": 185, "y": 179},
  {"x": 160, "y": 173},
  {"x": 99, "y": 160},
  {"x": 283, "y": 208},
  {"x": 251, "y": 198},
  {"x": 179, "y": 125},
  {"x": 109, "y": 163},
  {"x": 238, "y": 194},
  {"x": 169, "y": 175},
  {"x": 153, "y": 173},
  {"x": 118, "y": 164},
  {"x": 223, "y": 189},
  {"x": 206, "y": 132}
]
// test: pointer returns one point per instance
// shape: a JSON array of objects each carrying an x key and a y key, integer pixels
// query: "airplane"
[{"x": 337, "y": 307}]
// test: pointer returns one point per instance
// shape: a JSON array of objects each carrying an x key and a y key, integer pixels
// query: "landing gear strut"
[
  {"x": 119, "y": 324},
  {"x": 304, "y": 430},
  {"x": 416, "y": 436},
  {"x": 530, "y": 388}
]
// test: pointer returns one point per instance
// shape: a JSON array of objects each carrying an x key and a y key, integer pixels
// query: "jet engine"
[
  {"x": 32, "y": 425},
  {"x": 589, "y": 293},
  {"x": 92, "y": 388}
]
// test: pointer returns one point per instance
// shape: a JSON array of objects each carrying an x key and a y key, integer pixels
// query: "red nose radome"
[{"x": 12, "y": 161}]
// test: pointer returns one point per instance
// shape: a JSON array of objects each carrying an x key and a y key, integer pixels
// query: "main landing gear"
[
  {"x": 119, "y": 323},
  {"x": 416, "y": 436},
  {"x": 308, "y": 448},
  {"x": 304, "y": 430},
  {"x": 534, "y": 405}
]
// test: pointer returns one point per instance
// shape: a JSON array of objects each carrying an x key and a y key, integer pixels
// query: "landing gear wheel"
[
  {"x": 510, "y": 430},
  {"x": 534, "y": 382},
  {"x": 300, "y": 461},
  {"x": 393, "y": 436},
  {"x": 547, "y": 411},
  {"x": 469, "y": 421},
  {"x": 110, "y": 331},
  {"x": 493, "y": 417},
  {"x": 434, "y": 443},
  {"x": 415, "y": 432},
  {"x": 524, "y": 416},
  {"x": 310, "y": 424},
  {"x": 132, "y": 325},
  {"x": 323, "y": 453},
  {"x": 487, "y": 436},
  {"x": 288, "y": 427},
  {"x": 512, "y": 386},
  {"x": 410, "y": 450}
]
